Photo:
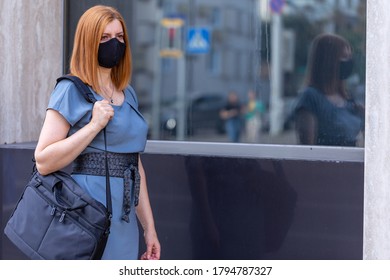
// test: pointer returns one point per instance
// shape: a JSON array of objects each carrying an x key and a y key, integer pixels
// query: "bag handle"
[
  {"x": 65, "y": 205},
  {"x": 88, "y": 95}
]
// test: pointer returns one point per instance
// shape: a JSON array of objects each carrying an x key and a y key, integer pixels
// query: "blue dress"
[
  {"x": 126, "y": 133},
  {"x": 337, "y": 126}
]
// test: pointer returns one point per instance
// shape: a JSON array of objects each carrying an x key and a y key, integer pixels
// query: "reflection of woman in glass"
[{"x": 325, "y": 113}]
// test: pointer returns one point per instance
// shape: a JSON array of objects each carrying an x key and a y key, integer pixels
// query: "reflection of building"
[
  {"x": 230, "y": 63},
  {"x": 320, "y": 8},
  {"x": 317, "y": 11},
  {"x": 324, "y": 12}
]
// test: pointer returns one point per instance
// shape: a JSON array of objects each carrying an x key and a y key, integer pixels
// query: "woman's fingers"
[{"x": 102, "y": 113}]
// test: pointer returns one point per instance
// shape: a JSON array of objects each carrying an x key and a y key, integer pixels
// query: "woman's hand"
[
  {"x": 145, "y": 216},
  {"x": 102, "y": 113},
  {"x": 153, "y": 248}
]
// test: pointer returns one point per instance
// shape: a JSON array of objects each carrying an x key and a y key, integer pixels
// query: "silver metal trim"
[
  {"x": 293, "y": 152},
  {"x": 283, "y": 152}
]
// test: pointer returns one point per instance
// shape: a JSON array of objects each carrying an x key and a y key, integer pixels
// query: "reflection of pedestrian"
[
  {"x": 253, "y": 111},
  {"x": 325, "y": 113},
  {"x": 231, "y": 113}
]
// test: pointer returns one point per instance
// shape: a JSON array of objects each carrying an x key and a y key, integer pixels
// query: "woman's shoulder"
[
  {"x": 68, "y": 101},
  {"x": 309, "y": 99},
  {"x": 66, "y": 89},
  {"x": 63, "y": 87},
  {"x": 311, "y": 92},
  {"x": 131, "y": 96}
]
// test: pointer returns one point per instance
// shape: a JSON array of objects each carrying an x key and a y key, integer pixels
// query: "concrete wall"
[
  {"x": 30, "y": 61},
  {"x": 377, "y": 149}
]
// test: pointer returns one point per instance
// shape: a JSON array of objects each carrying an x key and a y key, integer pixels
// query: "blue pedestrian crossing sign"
[{"x": 198, "y": 40}]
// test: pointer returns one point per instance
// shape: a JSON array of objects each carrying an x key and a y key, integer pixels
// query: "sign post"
[
  {"x": 172, "y": 47},
  {"x": 171, "y": 37}
]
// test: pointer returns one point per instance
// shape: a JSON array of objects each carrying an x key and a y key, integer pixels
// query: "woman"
[
  {"x": 325, "y": 113},
  {"x": 73, "y": 129}
]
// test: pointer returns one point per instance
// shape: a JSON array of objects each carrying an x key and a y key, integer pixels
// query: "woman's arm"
[
  {"x": 55, "y": 150},
  {"x": 306, "y": 126},
  {"x": 145, "y": 216}
]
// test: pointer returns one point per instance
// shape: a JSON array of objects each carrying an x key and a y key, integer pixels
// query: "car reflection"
[{"x": 202, "y": 112}]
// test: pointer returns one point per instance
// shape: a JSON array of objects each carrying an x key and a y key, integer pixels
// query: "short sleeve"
[
  {"x": 69, "y": 102},
  {"x": 308, "y": 101}
]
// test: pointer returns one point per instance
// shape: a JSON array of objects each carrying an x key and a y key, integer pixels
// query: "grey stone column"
[
  {"x": 377, "y": 145},
  {"x": 30, "y": 61}
]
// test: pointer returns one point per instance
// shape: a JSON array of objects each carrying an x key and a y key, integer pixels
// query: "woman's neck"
[{"x": 105, "y": 77}]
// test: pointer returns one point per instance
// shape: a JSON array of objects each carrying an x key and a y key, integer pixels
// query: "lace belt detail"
[{"x": 120, "y": 165}]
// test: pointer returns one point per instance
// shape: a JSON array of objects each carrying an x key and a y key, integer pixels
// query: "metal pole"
[
  {"x": 276, "y": 102},
  {"x": 155, "y": 133},
  {"x": 181, "y": 98}
]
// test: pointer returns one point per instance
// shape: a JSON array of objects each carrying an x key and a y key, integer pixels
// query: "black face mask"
[
  {"x": 110, "y": 53},
  {"x": 346, "y": 67}
]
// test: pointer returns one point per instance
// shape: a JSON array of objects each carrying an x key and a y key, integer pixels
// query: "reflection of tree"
[
  {"x": 354, "y": 30},
  {"x": 305, "y": 31}
]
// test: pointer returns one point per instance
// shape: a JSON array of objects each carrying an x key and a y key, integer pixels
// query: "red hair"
[{"x": 84, "y": 61}]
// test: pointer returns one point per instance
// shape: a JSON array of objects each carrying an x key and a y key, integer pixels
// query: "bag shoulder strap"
[
  {"x": 81, "y": 86},
  {"x": 88, "y": 95}
]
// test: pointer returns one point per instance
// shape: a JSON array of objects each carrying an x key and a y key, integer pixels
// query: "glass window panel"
[{"x": 226, "y": 46}]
